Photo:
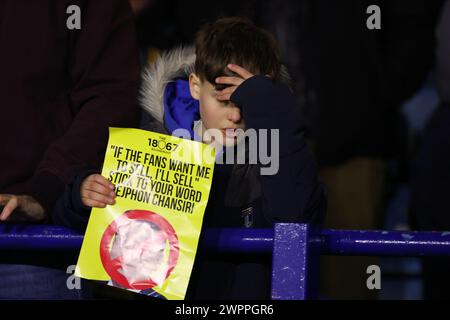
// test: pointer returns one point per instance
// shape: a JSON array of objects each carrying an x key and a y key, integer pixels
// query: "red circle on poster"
[{"x": 113, "y": 266}]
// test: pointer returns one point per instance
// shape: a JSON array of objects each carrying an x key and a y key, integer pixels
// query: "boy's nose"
[{"x": 235, "y": 114}]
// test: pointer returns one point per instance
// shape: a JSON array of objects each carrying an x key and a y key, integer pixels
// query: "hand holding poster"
[{"x": 147, "y": 240}]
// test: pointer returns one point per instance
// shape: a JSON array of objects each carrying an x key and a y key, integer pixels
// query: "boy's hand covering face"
[{"x": 233, "y": 82}]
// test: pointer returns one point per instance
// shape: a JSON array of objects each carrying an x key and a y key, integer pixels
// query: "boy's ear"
[{"x": 194, "y": 86}]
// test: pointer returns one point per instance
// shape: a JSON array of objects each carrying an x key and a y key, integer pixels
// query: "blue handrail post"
[{"x": 296, "y": 261}]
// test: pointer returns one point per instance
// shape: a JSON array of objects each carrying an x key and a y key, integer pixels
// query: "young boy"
[{"x": 234, "y": 80}]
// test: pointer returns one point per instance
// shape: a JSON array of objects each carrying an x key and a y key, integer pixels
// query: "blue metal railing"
[{"x": 295, "y": 248}]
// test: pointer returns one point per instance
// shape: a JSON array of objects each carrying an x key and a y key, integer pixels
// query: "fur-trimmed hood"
[{"x": 172, "y": 64}]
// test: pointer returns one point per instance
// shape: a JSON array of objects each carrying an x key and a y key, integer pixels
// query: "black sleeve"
[
  {"x": 69, "y": 211},
  {"x": 294, "y": 193}
]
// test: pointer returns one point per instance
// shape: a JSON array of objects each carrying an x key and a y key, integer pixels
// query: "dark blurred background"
[{"x": 376, "y": 112}]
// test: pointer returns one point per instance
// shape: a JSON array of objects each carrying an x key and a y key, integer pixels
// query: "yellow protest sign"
[{"x": 147, "y": 240}]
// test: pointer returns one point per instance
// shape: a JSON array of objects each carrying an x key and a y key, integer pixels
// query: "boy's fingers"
[
  {"x": 228, "y": 90},
  {"x": 93, "y": 203},
  {"x": 224, "y": 97},
  {"x": 94, "y": 186},
  {"x": 240, "y": 71},
  {"x": 226, "y": 93},
  {"x": 92, "y": 195},
  {"x": 9, "y": 208},
  {"x": 103, "y": 181},
  {"x": 235, "y": 81}
]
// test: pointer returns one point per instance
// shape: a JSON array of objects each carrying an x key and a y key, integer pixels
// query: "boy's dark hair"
[{"x": 235, "y": 40}]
